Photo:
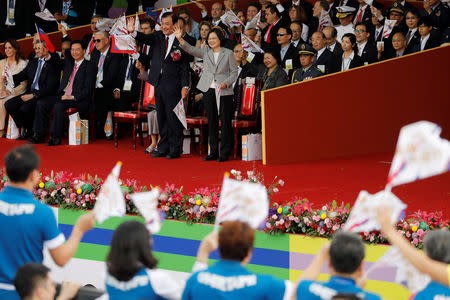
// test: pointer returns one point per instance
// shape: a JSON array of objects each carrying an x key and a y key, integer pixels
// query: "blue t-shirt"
[
  {"x": 309, "y": 290},
  {"x": 146, "y": 284},
  {"x": 434, "y": 290},
  {"x": 230, "y": 280},
  {"x": 26, "y": 225}
]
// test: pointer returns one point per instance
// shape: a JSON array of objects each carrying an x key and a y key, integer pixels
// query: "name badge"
[
  {"x": 289, "y": 65},
  {"x": 321, "y": 68},
  {"x": 127, "y": 85},
  {"x": 250, "y": 57}
]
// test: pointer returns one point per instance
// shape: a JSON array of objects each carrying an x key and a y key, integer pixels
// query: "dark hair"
[
  {"x": 83, "y": 46},
  {"x": 184, "y": 10},
  {"x": 254, "y": 4},
  {"x": 426, "y": 20},
  {"x": 346, "y": 252},
  {"x": 235, "y": 240},
  {"x": 97, "y": 16},
  {"x": 301, "y": 14},
  {"x": 324, "y": 4},
  {"x": 287, "y": 28},
  {"x": 170, "y": 14},
  {"x": 149, "y": 21},
  {"x": 333, "y": 31},
  {"x": 182, "y": 20},
  {"x": 275, "y": 53},
  {"x": 20, "y": 162},
  {"x": 414, "y": 11},
  {"x": 363, "y": 24},
  {"x": 437, "y": 245},
  {"x": 352, "y": 39},
  {"x": 298, "y": 23},
  {"x": 219, "y": 34},
  {"x": 28, "y": 277},
  {"x": 16, "y": 46},
  {"x": 273, "y": 9},
  {"x": 130, "y": 251}
]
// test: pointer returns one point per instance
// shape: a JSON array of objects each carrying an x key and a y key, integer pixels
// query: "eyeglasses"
[
  {"x": 281, "y": 34},
  {"x": 97, "y": 41},
  {"x": 411, "y": 18},
  {"x": 359, "y": 31},
  {"x": 238, "y": 51}
]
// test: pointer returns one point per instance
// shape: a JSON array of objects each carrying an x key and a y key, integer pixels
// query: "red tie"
[
  {"x": 359, "y": 16},
  {"x": 91, "y": 45}
]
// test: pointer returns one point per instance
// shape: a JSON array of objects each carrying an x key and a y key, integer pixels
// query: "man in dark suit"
[
  {"x": 129, "y": 84},
  {"x": 296, "y": 28},
  {"x": 429, "y": 38},
  {"x": 363, "y": 13},
  {"x": 332, "y": 44},
  {"x": 367, "y": 50},
  {"x": 106, "y": 83},
  {"x": 217, "y": 10},
  {"x": 55, "y": 7},
  {"x": 169, "y": 75},
  {"x": 269, "y": 33},
  {"x": 75, "y": 90},
  {"x": 325, "y": 60},
  {"x": 438, "y": 12},
  {"x": 16, "y": 19},
  {"x": 412, "y": 35},
  {"x": 188, "y": 38},
  {"x": 288, "y": 52},
  {"x": 43, "y": 79}
]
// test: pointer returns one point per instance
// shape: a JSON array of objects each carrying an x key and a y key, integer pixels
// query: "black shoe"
[
  {"x": 222, "y": 159},
  {"x": 158, "y": 154},
  {"x": 210, "y": 157},
  {"x": 54, "y": 141},
  {"x": 36, "y": 140},
  {"x": 24, "y": 135},
  {"x": 173, "y": 156}
]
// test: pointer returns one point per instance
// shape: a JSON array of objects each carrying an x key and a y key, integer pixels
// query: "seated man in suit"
[
  {"x": 366, "y": 47},
  {"x": 42, "y": 74},
  {"x": 288, "y": 53},
  {"x": 398, "y": 47},
  {"x": 296, "y": 28},
  {"x": 325, "y": 60},
  {"x": 429, "y": 38},
  {"x": 332, "y": 44},
  {"x": 75, "y": 90},
  {"x": 308, "y": 70}
]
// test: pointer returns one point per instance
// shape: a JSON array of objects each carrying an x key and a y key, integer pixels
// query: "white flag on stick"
[
  {"x": 181, "y": 114},
  {"x": 163, "y": 11},
  {"x": 388, "y": 26},
  {"x": 364, "y": 212},
  {"x": 137, "y": 23},
  {"x": 147, "y": 204},
  {"x": 250, "y": 46},
  {"x": 123, "y": 44},
  {"x": 46, "y": 15},
  {"x": 406, "y": 274},
  {"x": 254, "y": 23},
  {"x": 110, "y": 201},
  {"x": 242, "y": 201},
  {"x": 324, "y": 20},
  {"x": 230, "y": 19},
  {"x": 105, "y": 24},
  {"x": 119, "y": 27},
  {"x": 420, "y": 153}
]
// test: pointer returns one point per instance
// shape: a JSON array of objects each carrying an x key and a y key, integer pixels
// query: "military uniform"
[{"x": 310, "y": 72}]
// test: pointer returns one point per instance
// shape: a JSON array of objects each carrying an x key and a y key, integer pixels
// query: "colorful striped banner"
[{"x": 284, "y": 256}]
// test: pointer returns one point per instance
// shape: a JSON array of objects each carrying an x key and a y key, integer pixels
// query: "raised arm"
[{"x": 197, "y": 52}]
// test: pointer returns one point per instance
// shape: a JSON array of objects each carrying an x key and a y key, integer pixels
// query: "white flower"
[
  {"x": 233, "y": 172},
  {"x": 250, "y": 173}
]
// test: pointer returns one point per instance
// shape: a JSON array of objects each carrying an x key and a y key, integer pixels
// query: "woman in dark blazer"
[
  {"x": 349, "y": 58},
  {"x": 219, "y": 73},
  {"x": 273, "y": 75}
]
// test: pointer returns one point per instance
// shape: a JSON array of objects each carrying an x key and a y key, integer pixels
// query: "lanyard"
[{"x": 100, "y": 62}]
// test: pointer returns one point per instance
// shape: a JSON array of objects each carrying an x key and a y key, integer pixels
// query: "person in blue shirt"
[
  {"x": 131, "y": 273},
  {"x": 228, "y": 278},
  {"x": 345, "y": 253},
  {"x": 26, "y": 225}
]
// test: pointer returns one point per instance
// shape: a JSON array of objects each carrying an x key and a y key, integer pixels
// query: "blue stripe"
[{"x": 180, "y": 246}]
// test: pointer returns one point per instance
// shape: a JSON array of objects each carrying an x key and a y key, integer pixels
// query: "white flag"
[
  {"x": 324, "y": 20},
  {"x": 123, "y": 44},
  {"x": 420, "y": 153},
  {"x": 147, "y": 204},
  {"x": 406, "y": 274},
  {"x": 230, "y": 19},
  {"x": 137, "y": 23},
  {"x": 364, "y": 211},
  {"x": 388, "y": 26},
  {"x": 163, "y": 11},
  {"x": 255, "y": 22},
  {"x": 249, "y": 46},
  {"x": 105, "y": 24},
  {"x": 110, "y": 201},
  {"x": 181, "y": 114},
  {"x": 242, "y": 201},
  {"x": 119, "y": 27},
  {"x": 217, "y": 92},
  {"x": 45, "y": 15}
]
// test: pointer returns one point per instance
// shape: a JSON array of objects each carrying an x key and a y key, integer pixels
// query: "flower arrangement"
[{"x": 297, "y": 216}]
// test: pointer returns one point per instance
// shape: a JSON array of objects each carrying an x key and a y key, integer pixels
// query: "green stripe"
[
  {"x": 92, "y": 252},
  {"x": 70, "y": 217}
]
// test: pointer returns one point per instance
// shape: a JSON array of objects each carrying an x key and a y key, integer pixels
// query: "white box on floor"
[
  {"x": 187, "y": 145},
  {"x": 252, "y": 147}
]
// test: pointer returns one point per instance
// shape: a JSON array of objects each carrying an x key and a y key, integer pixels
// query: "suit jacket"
[
  {"x": 433, "y": 41},
  {"x": 338, "y": 49},
  {"x": 366, "y": 17},
  {"x": 412, "y": 42},
  {"x": 83, "y": 9},
  {"x": 273, "y": 35},
  {"x": 84, "y": 81},
  {"x": 329, "y": 61},
  {"x": 110, "y": 68},
  {"x": 355, "y": 62},
  {"x": 122, "y": 73},
  {"x": 48, "y": 79},
  {"x": 23, "y": 16},
  {"x": 224, "y": 71},
  {"x": 172, "y": 69},
  {"x": 292, "y": 54},
  {"x": 369, "y": 54},
  {"x": 440, "y": 16},
  {"x": 53, "y": 6},
  {"x": 276, "y": 79}
]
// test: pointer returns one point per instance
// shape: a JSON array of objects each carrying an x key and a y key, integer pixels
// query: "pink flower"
[
  {"x": 408, "y": 234},
  {"x": 275, "y": 190},
  {"x": 281, "y": 221},
  {"x": 316, "y": 218},
  {"x": 296, "y": 220},
  {"x": 67, "y": 200},
  {"x": 274, "y": 217},
  {"x": 77, "y": 203},
  {"x": 415, "y": 242},
  {"x": 306, "y": 220},
  {"x": 420, "y": 232},
  {"x": 277, "y": 223},
  {"x": 268, "y": 225},
  {"x": 281, "y": 182},
  {"x": 322, "y": 231}
]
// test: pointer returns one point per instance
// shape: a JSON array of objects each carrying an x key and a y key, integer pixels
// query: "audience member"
[
  {"x": 131, "y": 267},
  {"x": 230, "y": 4},
  {"x": 345, "y": 255},
  {"x": 80, "y": 13},
  {"x": 16, "y": 19},
  {"x": 331, "y": 40},
  {"x": 345, "y": 16},
  {"x": 205, "y": 28},
  {"x": 289, "y": 59},
  {"x": 366, "y": 47},
  {"x": 413, "y": 35},
  {"x": 438, "y": 12},
  {"x": 296, "y": 29},
  {"x": 428, "y": 37},
  {"x": 147, "y": 27},
  {"x": 27, "y": 230},
  {"x": 363, "y": 13},
  {"x": 235, "y": 243},
  {"x": 217, "y": 10},
  {"x": 319, "y": 6},
  {"x": 219, "y": 73},
  {"x": 297, "y": 14},
  {"x": 253, "y": 8},
  {"x": 325, "y": 60},
  {"x": 287, "y": 5},
  {"x": 192, "y": 27},
  {"x": 308, "y": 70},
  {"x": 129, "y": 86},
  {"x": 33, "y": 282},
  {"x": 335, "y": 4},
  {"x": 378, "y": 29},
  {"x": 398, "y": 47},
  {"x": 269, "y": 34},
  {"x": 273, "y": 75},
  {"x": 189, "y": 39},
  {"x": 349, "y": 58},
  {"x": 11, "y": 65}
]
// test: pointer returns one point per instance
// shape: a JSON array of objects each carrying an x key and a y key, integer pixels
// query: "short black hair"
[
  {"x": 287, "y": 28},
  {"x": 346, "y": 252},
  {"x": 426, "y": 20},
  {"x": 28, "y": 277},
  {"x": 20, "y": 162},
  {"x": 254, "y": 4},
  {"x": 149, "y": 21},
  {"x": 219, "y": 34},
  {"x": 170, "y": 14},
  {"x": 437, "y": 245},
  {"x": 182, "y": 20},
  {"x": 414, "y": 11},
  {"x": 273, "y": 9},
  {"x": 130, "y": 250},
  {"x": 275, "y": 53},
  {"x": 83, "y": 46},
  {"x": 324, "y": 4}
]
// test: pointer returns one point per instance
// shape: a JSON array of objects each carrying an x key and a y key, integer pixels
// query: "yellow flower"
[
  {"x": 414, "y": 228},
  {"x": 41, "y": 185},
  {"x": 79, "y": 191},
  {"x": 323, "y": 216},
  {"x": 279, "y": 210},
  {"x": 198, "y": 202}
]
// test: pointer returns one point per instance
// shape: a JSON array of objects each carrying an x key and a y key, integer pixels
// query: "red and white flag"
[
  {"x": 44, "y": 37},
  {"x": 123, "y": 44},
  {"x": 46, "y": 15},
  {"x": 120, "y": 27},
  {"x": 255, "y": 22},
  {"x": 388, "y": 26},
  {"x": 181, "y": 114},
  {"x": 324, "y": 20},
  {"x": 250, "y": 46}
]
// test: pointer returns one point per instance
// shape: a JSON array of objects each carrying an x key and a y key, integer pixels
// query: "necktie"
[
  {"x": 359, "y": 16},
  {"x": 11, "y": 11},
  {"x": 71, "y": 79},
  {"x": 408, "y": 36},
  {"x": 91, "y": 45},
  {"x": 166, "y": 45},
  {"x": 38, "y": 73}
]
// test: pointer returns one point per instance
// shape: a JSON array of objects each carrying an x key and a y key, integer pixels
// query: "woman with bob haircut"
[
  {"x": 131, "y": 267},
  {"x": 228, "y": 278}
]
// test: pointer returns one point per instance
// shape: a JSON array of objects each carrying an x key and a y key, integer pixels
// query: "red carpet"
[{"x": 320, "y": 182}]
